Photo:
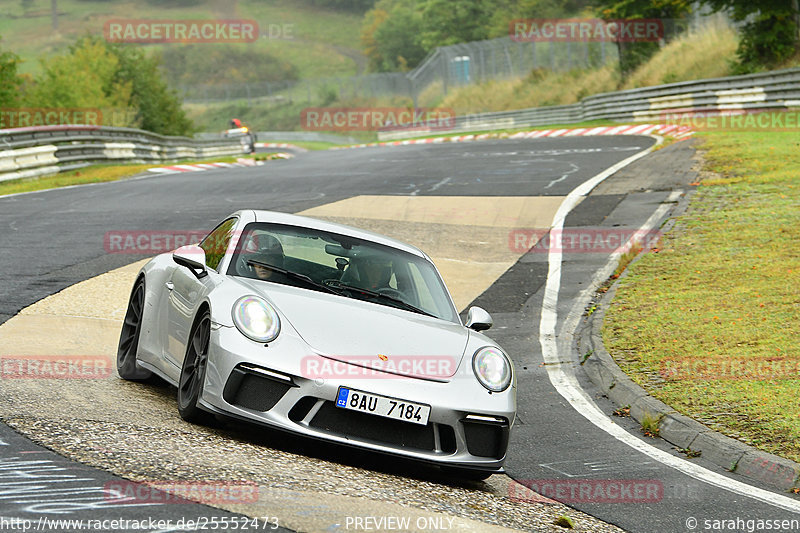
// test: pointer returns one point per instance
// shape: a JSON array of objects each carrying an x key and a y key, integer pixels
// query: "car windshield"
[{"x": 343, "y": 265}]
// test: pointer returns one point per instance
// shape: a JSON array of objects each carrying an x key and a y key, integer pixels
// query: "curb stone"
[
  {"x": 677, "y": 132},
  {"x": 675, "y": 428}
]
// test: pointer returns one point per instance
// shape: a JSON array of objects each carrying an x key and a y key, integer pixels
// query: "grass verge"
[
  {"x": 94, "y": 174},
  {"x": 91, "y": 174},
  {"x": 709, "y": 324}
]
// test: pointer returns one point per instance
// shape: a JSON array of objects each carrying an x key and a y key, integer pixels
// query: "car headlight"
[
  {"x": 492, "y": 368},
  {"x": 256, "y": 319}
]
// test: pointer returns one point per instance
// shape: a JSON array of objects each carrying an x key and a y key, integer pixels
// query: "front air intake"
[{"x": 255, "y": 388}]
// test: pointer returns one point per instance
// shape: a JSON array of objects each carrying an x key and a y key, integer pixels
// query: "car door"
[{"x": 187, "y": 291}]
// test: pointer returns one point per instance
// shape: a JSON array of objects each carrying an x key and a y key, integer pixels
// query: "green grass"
[
  {"x": 94, "y": 174},
  {"x": 709, "y": 324},
  {"x": 703, "y": 54}
]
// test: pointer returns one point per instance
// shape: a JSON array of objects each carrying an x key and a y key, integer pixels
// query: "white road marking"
[
  {"x": 439, "y": 184},
  {"x": 562, "y": 178},
  {"x": 567, "y": 385},
  {"x": 577, "y": 469}
]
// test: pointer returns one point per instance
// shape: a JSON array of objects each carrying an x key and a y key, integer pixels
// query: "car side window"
[{"x": 216, "y": 243}]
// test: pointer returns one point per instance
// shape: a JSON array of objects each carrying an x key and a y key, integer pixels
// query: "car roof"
[{"x": 275, "y": 217}]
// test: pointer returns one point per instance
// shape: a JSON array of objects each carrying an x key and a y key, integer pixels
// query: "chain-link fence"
[
  {"x": 444, "y": 68},
  {"x": 504, "y": 58},
  {"x": 311, "y": 90}
]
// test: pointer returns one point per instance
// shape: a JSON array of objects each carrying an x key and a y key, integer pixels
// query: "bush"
[
  {"x": 9, "y": 80},
  {"x": 111, "y": 77}
]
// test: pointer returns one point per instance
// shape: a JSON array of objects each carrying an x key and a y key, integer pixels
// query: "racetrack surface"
[{"x": 54, "y": 239}]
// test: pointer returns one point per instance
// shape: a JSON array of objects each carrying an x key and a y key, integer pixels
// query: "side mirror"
[
  {"x": 478, "y": 319},
  {"x": 192, "y": 257}
]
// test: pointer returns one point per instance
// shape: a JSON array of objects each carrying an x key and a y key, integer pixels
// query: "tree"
[
  {"x": 9, "y": 79},
  {"x": 509, "y": 10},
  {"x": 446, "y": 22},
  {"x": 159, "y": 107},
  {"x": 82, "y": 78},
  {"x": 769, "y": 35},
  {"x": 358, "y": 6},
  {"x": 633, "y": 54},
  {"x": 111, "y": 77},
  {"x": 391, "y": 37}
]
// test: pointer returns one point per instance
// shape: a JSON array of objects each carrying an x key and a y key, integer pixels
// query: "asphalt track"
[{"x": 54, "y": 239}]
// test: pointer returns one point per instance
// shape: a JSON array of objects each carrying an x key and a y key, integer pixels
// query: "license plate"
[{"x": 374, "y": 404}]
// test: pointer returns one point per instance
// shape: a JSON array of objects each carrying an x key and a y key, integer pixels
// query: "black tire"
[
  {"x": 467, "y": 473},
  {"x": 193, "y": 371},
  {"x": 129, "y": 337}
]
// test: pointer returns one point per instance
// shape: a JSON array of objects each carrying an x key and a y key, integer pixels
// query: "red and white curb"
[
  {"x": 678, "y": 132},
  {"x": 196, "y": 167},
  {"x": 281, "y": 145},
  {"x": 193, "y": 167}
]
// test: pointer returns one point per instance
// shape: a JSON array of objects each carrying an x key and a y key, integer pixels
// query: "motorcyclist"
[{"x": 238, "y": 129}]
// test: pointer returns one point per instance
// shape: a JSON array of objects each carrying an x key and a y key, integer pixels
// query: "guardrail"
[
  {"x": 44, "y": 150},
  {"x": 775, "y": 90}
]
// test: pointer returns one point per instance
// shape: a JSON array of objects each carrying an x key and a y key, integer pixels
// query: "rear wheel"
[
  {"x": 193, "y": 371},
  {"x": 129, "y": 337}
]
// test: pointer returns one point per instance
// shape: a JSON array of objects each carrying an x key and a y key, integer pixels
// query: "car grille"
[{"x": 382, "y": 430}]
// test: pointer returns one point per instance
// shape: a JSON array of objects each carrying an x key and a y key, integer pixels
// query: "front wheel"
[
  {"x": 129, "y": 337},
  {"x": 193, "y": 371}
]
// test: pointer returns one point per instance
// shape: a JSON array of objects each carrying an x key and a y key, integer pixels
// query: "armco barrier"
[
  {"x": 45, "y": 150},
  {"x": 775, "y": 90}
]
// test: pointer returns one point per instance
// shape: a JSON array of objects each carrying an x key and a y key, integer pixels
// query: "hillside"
[
  {"x": 701, "y": 54},
  {"x": 696, "y": 55},
  {"x": 317, "y": 42}
]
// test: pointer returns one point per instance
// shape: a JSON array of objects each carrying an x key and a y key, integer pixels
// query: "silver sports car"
[{"x": 327, "y": 331}]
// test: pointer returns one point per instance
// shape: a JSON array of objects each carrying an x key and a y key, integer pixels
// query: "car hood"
[{"x": 369, "y": 335}]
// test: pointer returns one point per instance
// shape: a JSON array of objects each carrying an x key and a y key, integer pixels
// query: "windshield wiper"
[
  {"x": 294, "y": 275},
  {"x": 402, "y": 303}
]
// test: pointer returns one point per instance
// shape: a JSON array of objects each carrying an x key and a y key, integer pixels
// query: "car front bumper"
[{"x": 468, "y": 426}]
